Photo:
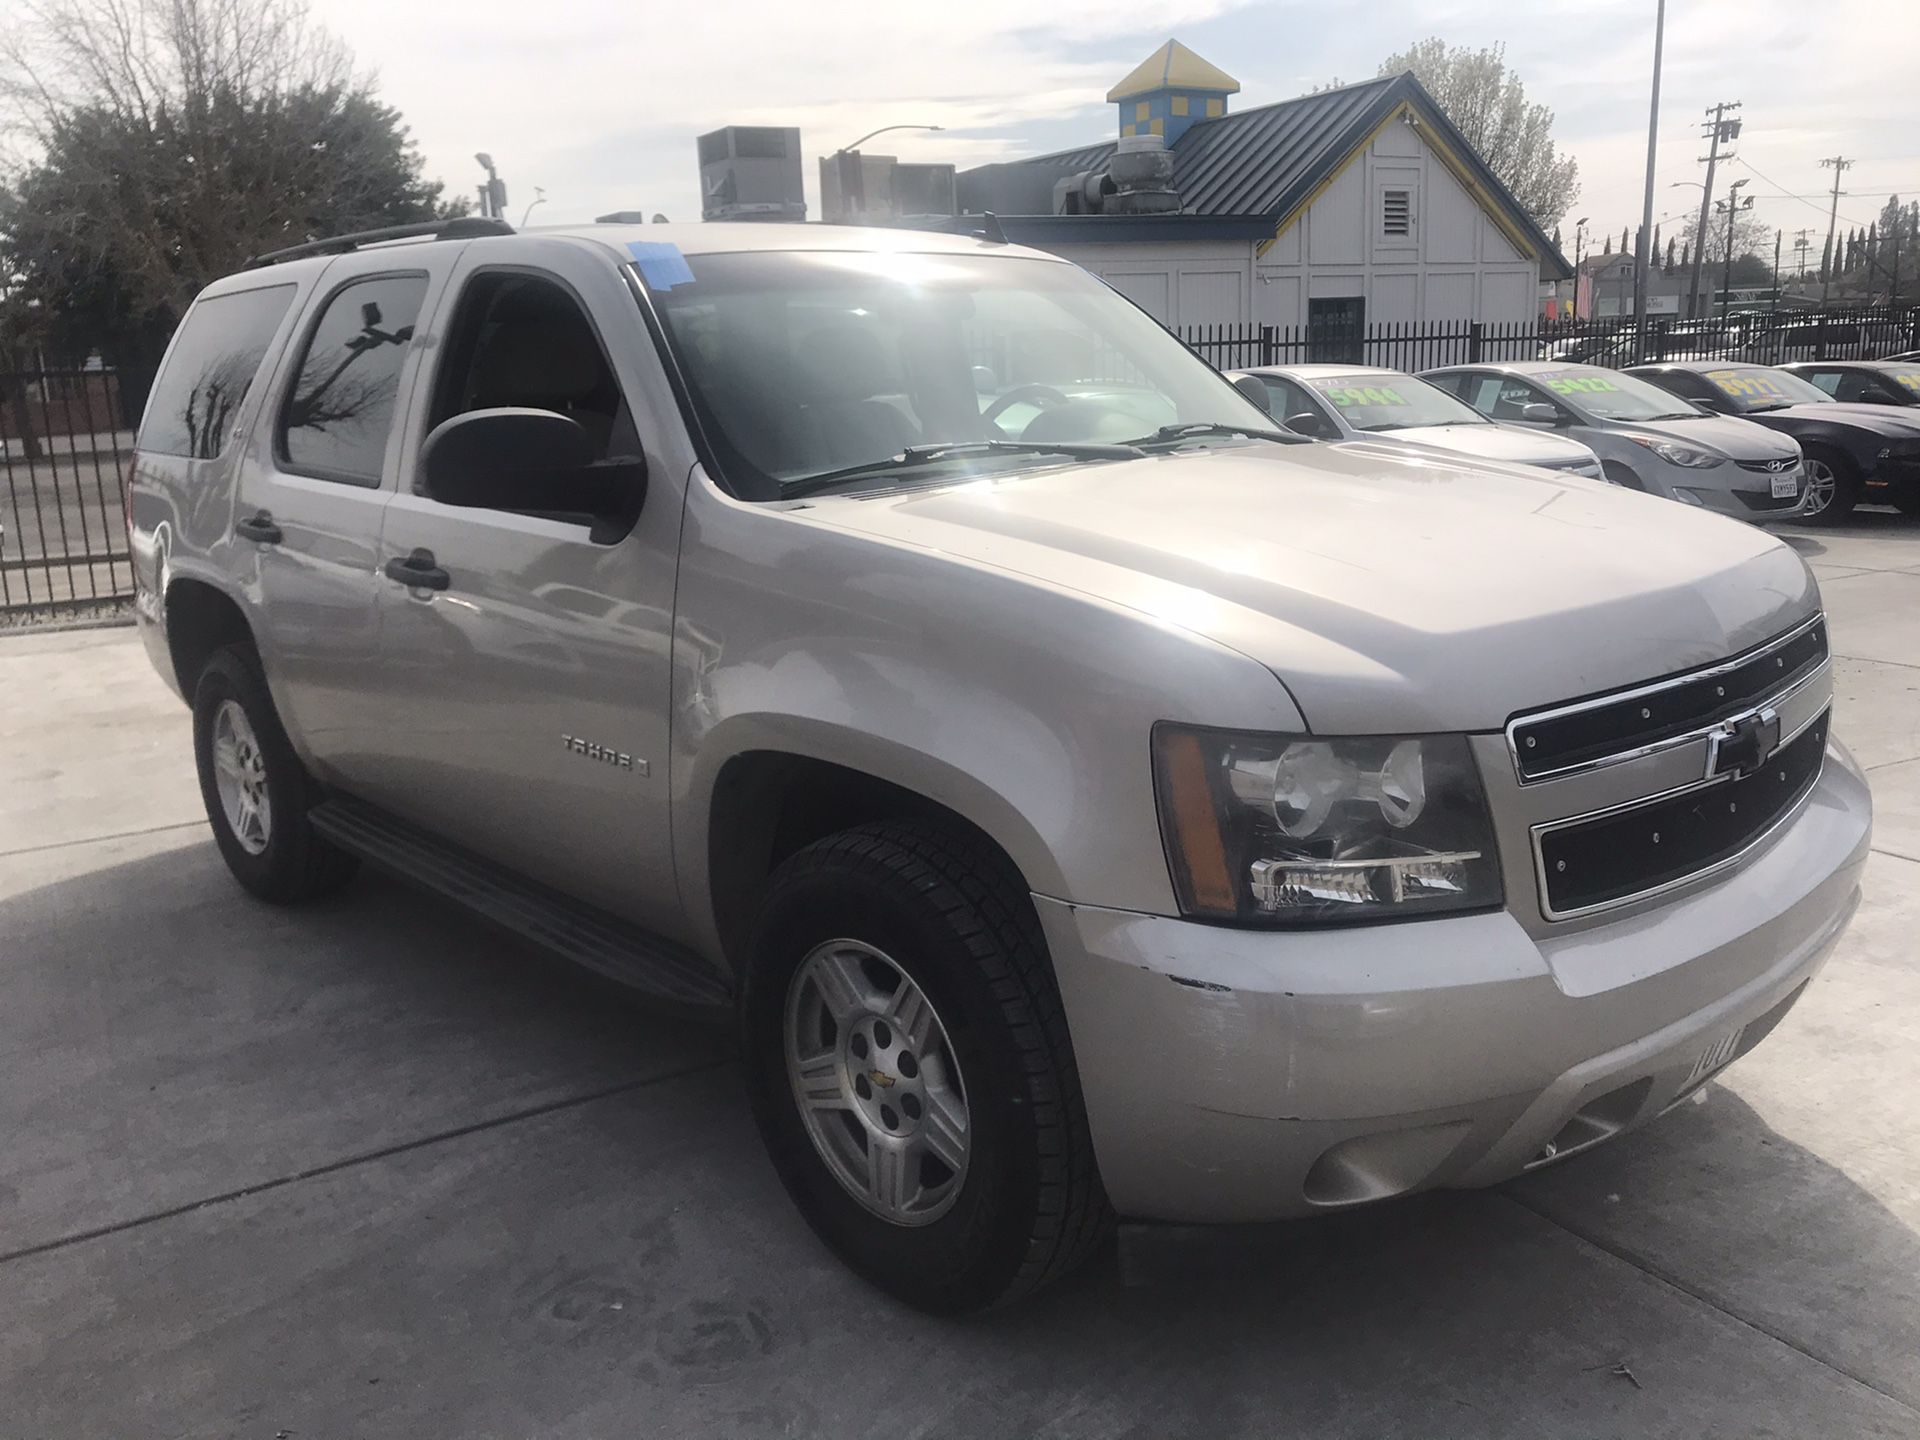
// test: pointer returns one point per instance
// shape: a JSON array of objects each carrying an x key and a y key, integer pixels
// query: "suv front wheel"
[
  {"x": 256, "y": 791},
  {"x": 910, "y": 1070}
]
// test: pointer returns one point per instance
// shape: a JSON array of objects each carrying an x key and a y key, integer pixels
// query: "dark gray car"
[{"x": 1646, "y": 438}]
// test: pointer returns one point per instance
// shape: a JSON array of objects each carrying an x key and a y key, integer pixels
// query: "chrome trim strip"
[
  {"x": 1705, "y": 872},
  {"x": 1673, "y": 682}
]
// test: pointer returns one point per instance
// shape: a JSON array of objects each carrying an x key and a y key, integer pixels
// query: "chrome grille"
[{"x": 1618, "y": 726}]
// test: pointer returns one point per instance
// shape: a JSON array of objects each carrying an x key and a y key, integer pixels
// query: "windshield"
[
  {"x": 1907, "y": 377},
  {"x": 805, "y": 364},
  {"x": 1608, "y": 395},
  {"x": 1388, "y": 400},
  {"x": 1750, "y": 388}
]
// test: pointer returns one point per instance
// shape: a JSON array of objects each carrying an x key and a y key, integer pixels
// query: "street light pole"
[
  {"x": 1646, "y": 209},
  {"x": 881, "y": 131}
]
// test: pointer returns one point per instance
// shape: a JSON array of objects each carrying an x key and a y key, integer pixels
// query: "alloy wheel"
[
  {"x": 876, "y": 1082},
  {"x": 240, "y": 776},
  {"x": 1821, "y": 484}
]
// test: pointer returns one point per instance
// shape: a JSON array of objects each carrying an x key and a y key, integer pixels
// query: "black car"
[
  {"x": 1854, "y": 452},
  {"x": 1864, "y": 382}
]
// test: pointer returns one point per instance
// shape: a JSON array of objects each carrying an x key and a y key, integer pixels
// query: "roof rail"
[{"x": 464, "y": 227}]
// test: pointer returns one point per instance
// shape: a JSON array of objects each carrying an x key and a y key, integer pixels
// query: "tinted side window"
[
  {"x": 340, "y": 409},
  {"x": 195, "y": 398},
  {"x": 1827, "y": 380}
]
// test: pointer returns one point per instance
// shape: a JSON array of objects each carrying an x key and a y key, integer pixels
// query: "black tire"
[
  {"x": 1622, "y": 475},
  {"x": 954, "y": 915},
  {"x": 296, "y": 863},
  {"x": 1846, "y": 486}
]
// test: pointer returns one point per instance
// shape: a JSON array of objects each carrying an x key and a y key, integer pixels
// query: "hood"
[
  {"x": 1497, "y": 442},
  {"x": 1733, "y": 437},
  {"x": 1891, "y": 421},
  {"x": 1389, "y": 589}
]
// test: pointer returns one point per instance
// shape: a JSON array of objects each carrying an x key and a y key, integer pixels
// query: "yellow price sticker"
[
  {"x": 1581, "y": 385},
  {"x": 1347, "y": 397},
  {"x": 1751, "y": 384},
  {"x": 1910, "y": 379}
]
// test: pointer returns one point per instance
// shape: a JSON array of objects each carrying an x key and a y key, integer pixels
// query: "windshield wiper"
[
  {"x": 1193, "y": 428},
  {"x": 916, "y": 455}
]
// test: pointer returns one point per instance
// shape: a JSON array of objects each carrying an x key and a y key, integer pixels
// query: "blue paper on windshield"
[{"x": 662, "y": 265}]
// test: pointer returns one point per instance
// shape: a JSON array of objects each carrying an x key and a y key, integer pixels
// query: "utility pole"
[
  {"x": 1644, "y": 242},
  {"x": 1719, "y": 128},
  {"x": 1802, "y": 243},
  {"x": 1774, "y": 308},
  {"x": 1839, "y": 164},
  {"x": 1733, "y": 207}
]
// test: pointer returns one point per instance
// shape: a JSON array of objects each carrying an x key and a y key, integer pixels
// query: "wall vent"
[{"x": 1397, "y": 213}]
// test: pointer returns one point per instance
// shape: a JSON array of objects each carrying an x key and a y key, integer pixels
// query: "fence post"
[
  {"x": 1266, "y": 345},
  {"x": 1475, "y": 332}
]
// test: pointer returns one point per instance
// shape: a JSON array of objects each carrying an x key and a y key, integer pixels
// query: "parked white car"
[{"x": 1361, "y": 402}]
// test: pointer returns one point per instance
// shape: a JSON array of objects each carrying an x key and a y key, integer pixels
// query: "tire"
[
  {"x": 1829, "y": 467},
  {"x": 950, "y": 917},
  {"x": 273, "y": 849},
  {"x": 1622, "y": 475}
]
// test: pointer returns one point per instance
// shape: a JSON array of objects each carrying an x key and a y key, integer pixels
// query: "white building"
[{"x": 1357, "y": 207}]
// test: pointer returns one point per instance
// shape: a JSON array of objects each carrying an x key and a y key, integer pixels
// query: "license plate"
[
  {"x": 1715, "y": 1056},
  {"x": 1786, "y": 486}
]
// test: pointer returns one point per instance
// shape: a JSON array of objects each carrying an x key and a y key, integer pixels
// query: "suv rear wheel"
[
  {"x": 910, "y": 1069},
  {"x": 256, "y": 791}
]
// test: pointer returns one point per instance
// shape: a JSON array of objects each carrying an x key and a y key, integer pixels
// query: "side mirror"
[
  {"x": 531, "y": 462},
  {"x": 1250, "y": 386},
  {"x": 1538, "y": 412},
  {"x": 1315, "y": 427}
]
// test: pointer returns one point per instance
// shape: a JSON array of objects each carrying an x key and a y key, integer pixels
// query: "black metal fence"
[
  {"x": 64, "y": 451},
  {"x": 1860, "y": 333}
]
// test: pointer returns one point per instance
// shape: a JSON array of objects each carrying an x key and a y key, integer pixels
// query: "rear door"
[
  {"x": 320, "y": 472},
  {"x": 523, "y": 708}
]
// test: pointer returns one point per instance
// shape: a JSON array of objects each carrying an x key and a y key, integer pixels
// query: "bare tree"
[
  {"x": 1488, "y": 104},
  {"x": 171, "y": 139}
]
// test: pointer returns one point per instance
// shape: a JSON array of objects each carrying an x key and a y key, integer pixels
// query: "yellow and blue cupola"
[{"x": 1170, "y": 90}]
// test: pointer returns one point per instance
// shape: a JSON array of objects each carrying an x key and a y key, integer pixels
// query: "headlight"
[
  {"x": 1283, "y": 830},
  {"x": 1674, "y": 454}
]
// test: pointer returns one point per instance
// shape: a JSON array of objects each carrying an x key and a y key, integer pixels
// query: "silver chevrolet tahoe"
[{"x": 1088, "y": 800}]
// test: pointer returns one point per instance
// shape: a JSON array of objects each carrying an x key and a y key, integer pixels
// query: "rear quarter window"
[{"x": 212, "y": 365}]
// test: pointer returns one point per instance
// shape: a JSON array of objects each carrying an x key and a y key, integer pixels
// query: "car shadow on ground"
[{"x": 629, "y": 1244}]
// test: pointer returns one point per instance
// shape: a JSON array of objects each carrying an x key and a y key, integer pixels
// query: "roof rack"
[{"x": 464, "y": 227}]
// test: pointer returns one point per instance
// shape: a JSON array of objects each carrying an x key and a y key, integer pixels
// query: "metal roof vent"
[{"x": 1136, "y": 180}]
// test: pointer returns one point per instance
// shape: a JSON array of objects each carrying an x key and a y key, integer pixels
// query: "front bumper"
[{"x": 1243, "y": 1075}]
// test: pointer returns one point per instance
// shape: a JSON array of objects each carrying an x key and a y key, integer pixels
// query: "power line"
[{"x": 1804, "y": 200}]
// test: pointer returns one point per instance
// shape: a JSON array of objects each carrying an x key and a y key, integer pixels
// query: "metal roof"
[{"x": 1267, "y": 160}]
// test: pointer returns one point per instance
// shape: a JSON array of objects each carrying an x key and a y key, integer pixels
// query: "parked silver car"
[
  {"x": 1360, "y": 402},
  {"x": 1646, "y": 438},
  {"x": 1078, "y": 813}
]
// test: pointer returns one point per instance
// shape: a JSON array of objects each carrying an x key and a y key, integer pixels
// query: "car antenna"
[{"x": 990, "y": 230}]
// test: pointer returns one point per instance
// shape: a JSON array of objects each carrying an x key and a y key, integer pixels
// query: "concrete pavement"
[{"x": 366, "y": 1169}]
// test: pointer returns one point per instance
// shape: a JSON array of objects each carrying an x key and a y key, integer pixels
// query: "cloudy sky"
[{"x": 598, "y": 102}]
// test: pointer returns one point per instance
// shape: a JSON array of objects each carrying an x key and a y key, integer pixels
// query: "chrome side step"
[{"x": 603, "y": 944}]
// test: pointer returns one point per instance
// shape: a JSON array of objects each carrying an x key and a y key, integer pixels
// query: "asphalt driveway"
[{"x": 366, "y": 1169}]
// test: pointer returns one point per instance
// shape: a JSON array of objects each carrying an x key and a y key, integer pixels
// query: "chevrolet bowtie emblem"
[{"x": 1741, "y": 746}]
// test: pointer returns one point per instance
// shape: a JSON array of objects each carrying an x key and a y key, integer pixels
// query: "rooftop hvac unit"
[{"x": 751, "y": 172}]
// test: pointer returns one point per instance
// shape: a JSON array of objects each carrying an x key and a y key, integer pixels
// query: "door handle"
[
  {"x": 259, "y": 526},
  {"x": 418, "y": 571}
]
